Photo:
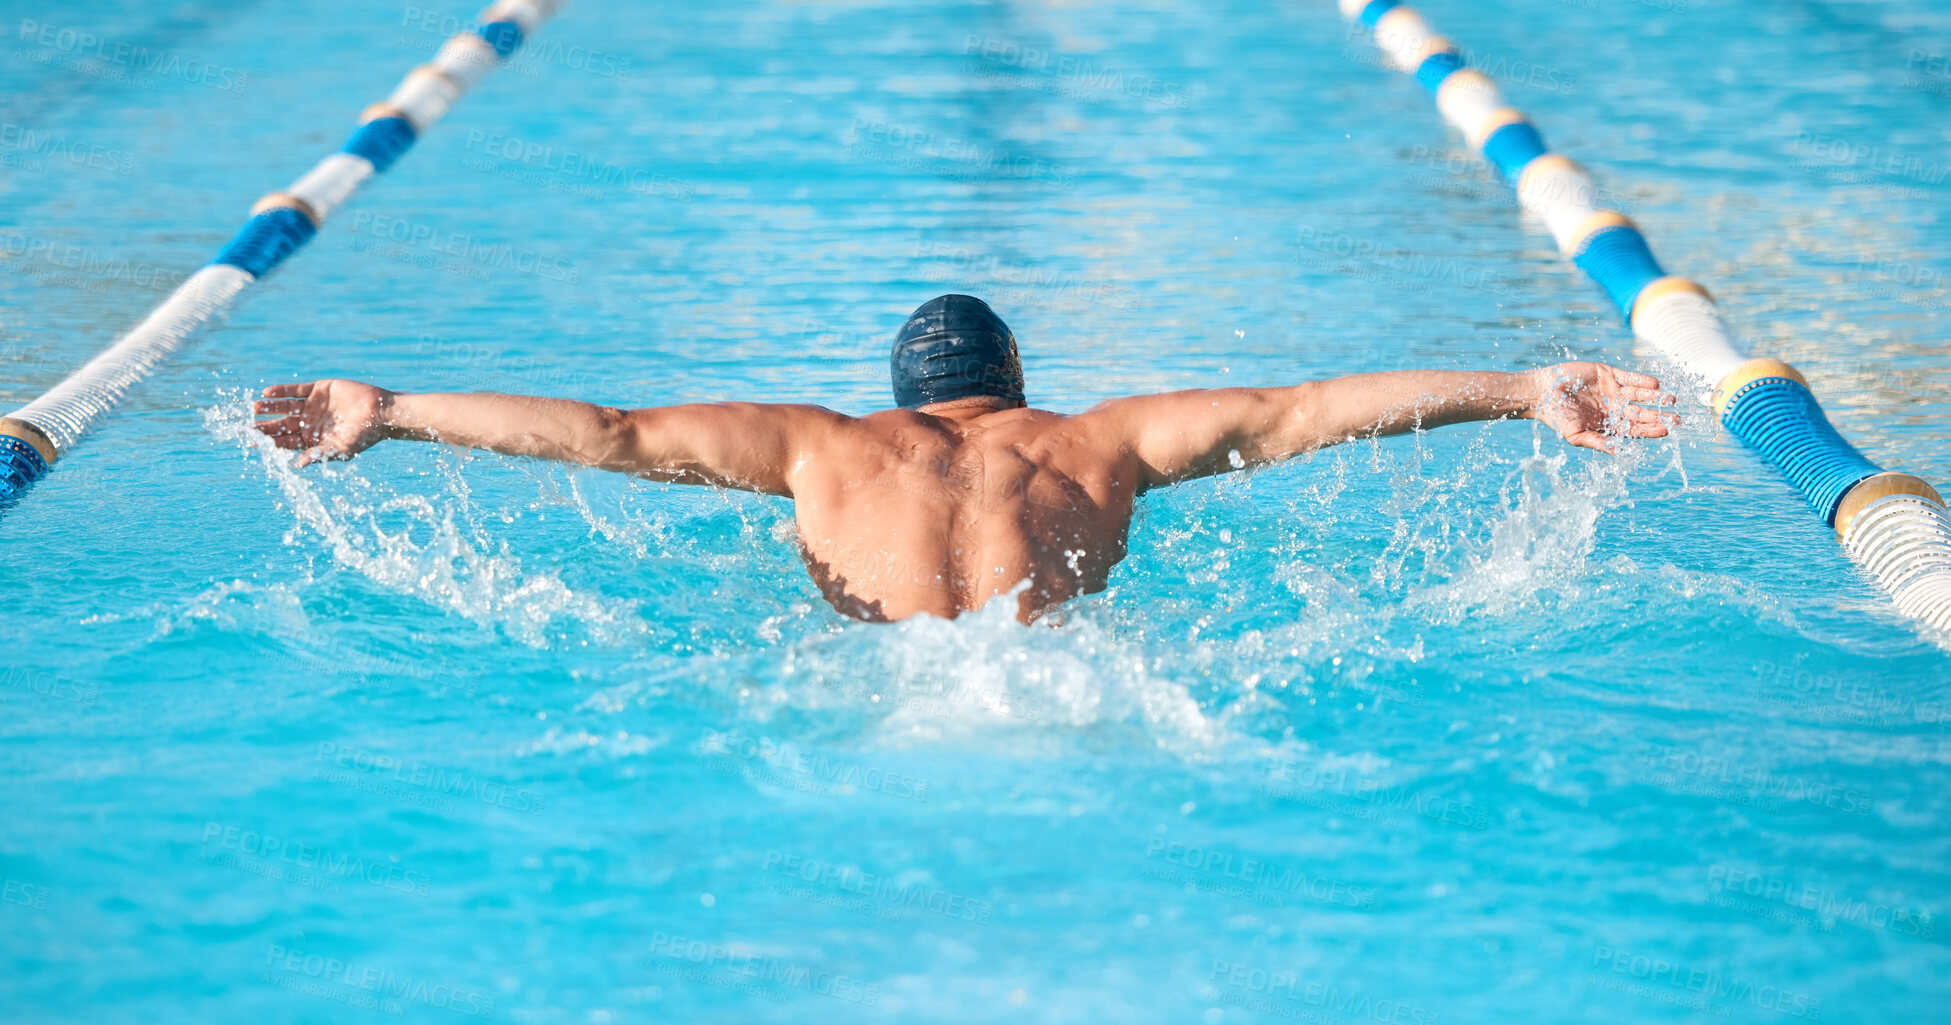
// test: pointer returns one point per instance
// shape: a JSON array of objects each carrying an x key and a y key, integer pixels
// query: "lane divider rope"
[
  {"x": 1893, "y": 524},
  {"x": 34, "y": 436}
]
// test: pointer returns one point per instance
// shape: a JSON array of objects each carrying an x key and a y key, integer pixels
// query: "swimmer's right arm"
[{"x": 744, "y": 445}]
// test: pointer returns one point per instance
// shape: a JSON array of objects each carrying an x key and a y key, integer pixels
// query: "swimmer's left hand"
[{"x": 1590, "y": 404}]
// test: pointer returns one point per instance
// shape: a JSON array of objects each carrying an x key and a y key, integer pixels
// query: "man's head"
[{"x": 955, "y": 347}]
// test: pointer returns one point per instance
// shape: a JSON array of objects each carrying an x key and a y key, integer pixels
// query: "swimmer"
[{"x": 964, "y": 492}]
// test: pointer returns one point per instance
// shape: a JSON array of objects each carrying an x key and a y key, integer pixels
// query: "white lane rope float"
[
  {"x": 34, "y": 436},
  {"x": 1893, "y": 524}
]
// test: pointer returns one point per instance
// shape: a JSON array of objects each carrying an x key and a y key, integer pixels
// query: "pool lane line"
[
  {"x": 36, "y": 435},
  {"x": 1893, "y": 524}
]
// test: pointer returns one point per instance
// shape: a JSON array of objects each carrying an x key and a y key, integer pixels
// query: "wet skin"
[{"x": 941, "y": 509}]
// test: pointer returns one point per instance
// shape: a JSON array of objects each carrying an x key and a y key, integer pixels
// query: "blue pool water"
[{"x": 1459, "y": 728}]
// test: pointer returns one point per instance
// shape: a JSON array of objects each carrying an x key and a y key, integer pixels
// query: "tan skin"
[{"x": 940, "y": 509}]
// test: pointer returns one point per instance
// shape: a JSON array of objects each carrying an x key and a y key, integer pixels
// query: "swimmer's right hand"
[
  {"x": 331, "y": 419},
  {"x": 1590, "y": 404}
]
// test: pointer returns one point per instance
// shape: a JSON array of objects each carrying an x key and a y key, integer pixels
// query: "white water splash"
[
  {"x": 1541, "y": 538},
  {"x": 411, "y": 543},
  {"x": 984, "y": 679}
]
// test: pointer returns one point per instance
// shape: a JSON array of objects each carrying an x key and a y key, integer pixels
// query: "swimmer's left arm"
[{"x": 1185, "y": 435}]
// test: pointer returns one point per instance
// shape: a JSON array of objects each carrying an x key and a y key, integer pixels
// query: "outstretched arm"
[
  {"x": 742, "y": 445},
  {"x": 1183, "y": 435}
]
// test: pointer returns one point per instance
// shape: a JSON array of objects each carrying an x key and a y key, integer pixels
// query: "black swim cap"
[{"x": 955, "y": 347}]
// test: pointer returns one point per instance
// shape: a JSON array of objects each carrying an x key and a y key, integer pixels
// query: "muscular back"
[{"x": 901, "y": 512}]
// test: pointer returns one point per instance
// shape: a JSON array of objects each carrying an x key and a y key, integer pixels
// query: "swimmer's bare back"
[{"x": 939, "y": 509}]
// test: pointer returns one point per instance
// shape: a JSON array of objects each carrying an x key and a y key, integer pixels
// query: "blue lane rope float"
[
  {"x": 33, "y": 437},
  {"x": 1618, "y": 258},
  {"x": 266, "y": 239},
  {"x": 1512, "y": 147},
  {"x": 1774, "y": 411},
  {"x": 381, "y": 141},
  {"x": 21, "y": 460},
  {"x": 1893, "y": 524}
]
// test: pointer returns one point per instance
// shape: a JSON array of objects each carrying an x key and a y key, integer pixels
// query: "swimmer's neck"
[{"x": 969, "y": 409}]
